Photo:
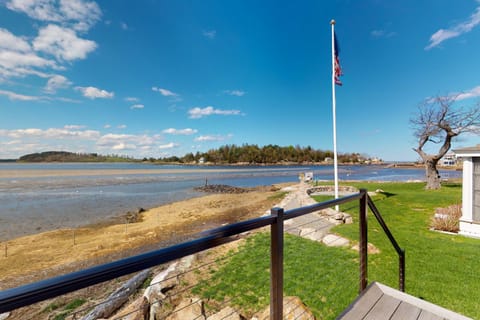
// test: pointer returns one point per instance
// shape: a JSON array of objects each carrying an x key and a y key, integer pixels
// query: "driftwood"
[{"x": 117, "y": 298}]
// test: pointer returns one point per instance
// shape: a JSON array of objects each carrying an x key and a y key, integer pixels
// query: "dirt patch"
[{"x": 47, "y": 254}]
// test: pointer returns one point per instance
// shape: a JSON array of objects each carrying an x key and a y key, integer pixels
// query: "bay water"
[{"x": 39, "y": 203}]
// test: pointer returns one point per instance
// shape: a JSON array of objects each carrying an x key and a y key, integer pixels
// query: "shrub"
[{"x": 447, "y": 219}]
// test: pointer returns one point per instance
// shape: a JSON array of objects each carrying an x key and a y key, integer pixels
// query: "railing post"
[
  {"x": 276, "y": 265},
  {"x": 363, "y": 245},
  {"x": 401, "y": 273}
]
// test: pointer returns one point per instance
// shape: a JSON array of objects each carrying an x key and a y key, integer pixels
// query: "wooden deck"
[{"x": 380, "y": 302}]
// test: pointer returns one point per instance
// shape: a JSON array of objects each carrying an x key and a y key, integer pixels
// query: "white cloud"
[
  {"x": 14, "y": 143},
  {"x": 73, "y": 127},
  {"x": 132, "y": 99},
  {"x": 56, "y": 82},
  {"x": 15, "y": 96},
  {"x": 122, "y": 126},
  {"x": 381, "y": 33},
  {"x": 137, "y": 106},
  {"x": 43, "y": 10},
  {"x": 12, "y": 42},
  {"x": 17, "y": 58},
  {"x": 165, "y": 92},
  {"x": 168, "y": 146},
  {"x": 210, "y": 34},
  {"x": 124, "y": 146},
  {"x": 107, "y": 126},
  {"x": 51, "y": 133},
  {"x": 212, "y": 138},
  {"x": 124, "y": 26},
  {"x": 187, "y": 131},
  {"x": 238, "y": 93},
  {"x": 12, "y": 59},
  {"x": 197, "y": 113},
  {"x": 63, "y": 43},
  {"x": 94, "y": 93},
  {"x": 80, "y": 14},
  {"x": 472, "y": 93},
  {"x": 127, "y": 141},
  {"x": 55, "y": 44},
  {"x": 455, "y": 31},
  {"x": 84, "y": 13}
]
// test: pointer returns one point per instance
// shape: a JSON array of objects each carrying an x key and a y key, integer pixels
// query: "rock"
[
  {"x": 189, "y": 308},
  {"x": 347, "y": 219},
  {"x": 4, "y": 316},
  {"x": 137, "y": 310},
  {"x": 220, "y": 188},
  {"x": 333, "y": 240},
  {"x": 227, "y": 313},
  {"x": 334, "y": 221},
  {"x": 338, "y": 216},
  {"x": 293, "y": 308}
]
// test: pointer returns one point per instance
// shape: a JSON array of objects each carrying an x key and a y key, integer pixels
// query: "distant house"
[
  {"x": 201, "y": 160},
  {"x": 308, "y": 176},
  {"x": 449, "y": 159},
  {"x": 470, "y": 220}
]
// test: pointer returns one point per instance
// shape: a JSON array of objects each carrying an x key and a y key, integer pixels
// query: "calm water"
[{"x": 31, "y": 205}]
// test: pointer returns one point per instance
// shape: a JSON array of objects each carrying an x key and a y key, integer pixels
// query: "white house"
[
  {"x": 449, "y": 159},
  {"x": 470, "y": 220}
]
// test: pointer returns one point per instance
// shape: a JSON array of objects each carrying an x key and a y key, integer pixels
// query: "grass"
[
  {"x": 244, "y": 280},
  {"x": 443, "y": 269},
  {"x": 74, "y": 304}
]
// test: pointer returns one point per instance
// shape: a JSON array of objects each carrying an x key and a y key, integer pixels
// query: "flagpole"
[{"x": 334, "y": 102}]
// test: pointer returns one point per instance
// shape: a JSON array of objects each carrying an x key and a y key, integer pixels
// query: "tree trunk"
[
  {"x": 433, "y": 177},
  {"x": 118, "y": 298}
]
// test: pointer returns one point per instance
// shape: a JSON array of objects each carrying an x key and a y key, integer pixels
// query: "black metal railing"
[
  {"x": 25, "y": 295},
  {"x": 400, "y": 251}
]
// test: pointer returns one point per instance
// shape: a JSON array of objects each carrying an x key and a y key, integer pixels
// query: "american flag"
[{"x": 338, "y": 69}]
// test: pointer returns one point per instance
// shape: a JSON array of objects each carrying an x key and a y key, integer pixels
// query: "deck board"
[
  {"x": 425, "y": 315},
  {"x": 406, "y": 311},
  {"x": 362, "y": 305},
  {"x": 383, "y": 309},
  {"x": 380, "y": 302}
]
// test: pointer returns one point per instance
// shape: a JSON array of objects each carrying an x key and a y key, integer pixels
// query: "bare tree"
[{"x": 438, "y": 121}]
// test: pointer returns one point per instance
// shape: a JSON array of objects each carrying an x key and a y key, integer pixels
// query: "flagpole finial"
[{"x": 332, "y": 22}]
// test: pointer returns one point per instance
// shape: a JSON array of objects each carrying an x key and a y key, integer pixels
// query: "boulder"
[
  {"x": 293, "y": 308},
  {"x": 347, "y": 219},
  {"x": 4, "y": 316},
  {"x": 189, "y": 308},
  {"x": 227, "y": 313}
]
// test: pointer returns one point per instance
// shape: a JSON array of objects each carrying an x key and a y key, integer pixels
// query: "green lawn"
[{"x": 443, "y": 269}]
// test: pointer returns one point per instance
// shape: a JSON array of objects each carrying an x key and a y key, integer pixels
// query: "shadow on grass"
[
  {"x": 387, "y": 194},
  {"x": 452, "y": 185}
]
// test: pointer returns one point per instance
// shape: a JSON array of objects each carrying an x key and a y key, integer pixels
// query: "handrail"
[
  {"x": 21, "y": 296},
  {"x": 49, "y": 288},
  {"x": 400, "y": 251}
]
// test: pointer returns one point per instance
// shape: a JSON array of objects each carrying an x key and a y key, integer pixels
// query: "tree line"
[
  {"x": 65, "y": 156},
  {"x": 227, "y": 154},
  {"x": 269, "y": 154}
]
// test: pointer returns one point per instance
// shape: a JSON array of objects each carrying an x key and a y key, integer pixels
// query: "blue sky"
[{"x": 160, "y": 78}]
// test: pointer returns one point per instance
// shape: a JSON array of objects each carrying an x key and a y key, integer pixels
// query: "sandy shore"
[
  {"x": 60, "y": 251},
  {"x": 36, "y": 173}
]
